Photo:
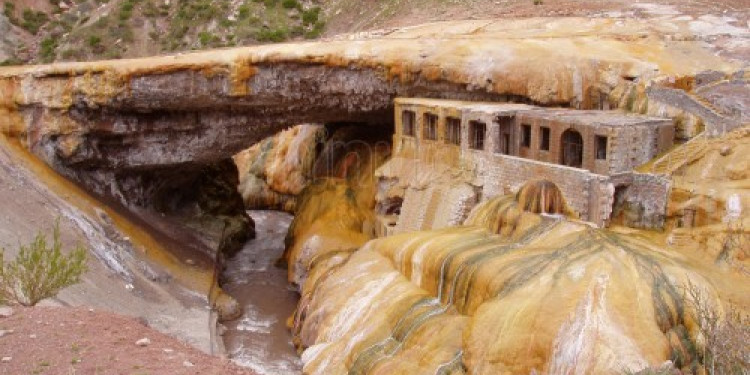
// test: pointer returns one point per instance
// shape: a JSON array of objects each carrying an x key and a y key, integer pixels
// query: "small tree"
[{"x": 40, "y": 271}]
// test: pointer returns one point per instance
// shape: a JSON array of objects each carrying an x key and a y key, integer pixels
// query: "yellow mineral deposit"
[
  {"x": 334, "y": 214},
  {"x": 274, "y": 171},
  {"x": 547, "y": 294}
]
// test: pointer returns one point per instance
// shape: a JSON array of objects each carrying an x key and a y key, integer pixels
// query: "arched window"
[{"x": 572, "y": 149}]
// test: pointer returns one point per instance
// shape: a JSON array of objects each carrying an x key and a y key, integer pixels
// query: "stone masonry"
[{"x": 590, "y": 155}]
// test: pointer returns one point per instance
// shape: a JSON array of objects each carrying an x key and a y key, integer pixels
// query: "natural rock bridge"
[{"x": 145, "y": 130}]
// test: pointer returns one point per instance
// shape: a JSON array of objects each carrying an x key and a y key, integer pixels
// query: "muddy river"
[{"x": 259, "y": 339}]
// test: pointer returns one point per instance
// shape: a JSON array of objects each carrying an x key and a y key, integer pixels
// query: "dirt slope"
[{"x": 44, "y": 340}]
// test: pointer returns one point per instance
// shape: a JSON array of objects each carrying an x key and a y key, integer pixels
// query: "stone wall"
[
  {"x": 628, "y": 144},
  {"x": 503, "y": 174},
  {"x": 484, "y": 169},
  {"x": 641, "y": 199},
  {"x": 452, "y": 180}
]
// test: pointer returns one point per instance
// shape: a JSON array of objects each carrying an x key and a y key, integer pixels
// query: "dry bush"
[
  {"x": 40, "y": 271},
  {"x": 726, "y": 339}
]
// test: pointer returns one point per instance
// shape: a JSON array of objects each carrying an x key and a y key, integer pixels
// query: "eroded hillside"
[{"x": 41, "y": 31}]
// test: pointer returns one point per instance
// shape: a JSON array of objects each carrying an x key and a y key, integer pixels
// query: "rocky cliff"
[{"x": 122, "y": 128}]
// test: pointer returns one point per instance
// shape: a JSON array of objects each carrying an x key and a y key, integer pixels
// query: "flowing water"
[{"x": 260, "y": 339}]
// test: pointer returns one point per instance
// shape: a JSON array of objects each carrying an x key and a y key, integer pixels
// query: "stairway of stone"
[
  {"x": 696, "y": 93},
  {"x": 680, "y": 238},
  {"x": 432, "y": 208},
  {"x": 708, "y": 105},
  {"x": 693, "y": 103},
  {"x": 681, "y": 156}
]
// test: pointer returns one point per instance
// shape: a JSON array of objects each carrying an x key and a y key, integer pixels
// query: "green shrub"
[
  {"x": 290, "y": 4},
  {"x": 310, "y": 17},
  {"x": 94, "y": 40},
  {"x": 47, "y": 49},
  {"x": 276, "y": 36},
  {"x": 126, "y": 9},
  {"x": 243, "y": 12},
  {"x": 206, "y": 38},
  {"x": 33, "y": 21},
  {"x": 40, "y": 271}
]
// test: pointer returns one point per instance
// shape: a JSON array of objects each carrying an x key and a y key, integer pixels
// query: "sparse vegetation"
[
  {"x": 40, "y": 270},
  {"x": 79, "y": 34},
  {"x": 291, "y": 4},
  {"x": 726, "y": 340},
  {"x": 310, "y": 17},
  {"x": 33, "y": 21},
  {"x": 94, "y": 40},
  {"x": 47, "y": 49},
  {"x": 10, "y": 62},
  {"x": 206, "y": 38},
  {"x": 9, "y": 10},
  {"x": 266, "y": 35}
]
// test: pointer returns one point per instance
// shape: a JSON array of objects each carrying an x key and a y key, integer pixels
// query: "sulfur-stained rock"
[
  {"x": 551, "y": 296},
  {"x": 274, "y": 171}
]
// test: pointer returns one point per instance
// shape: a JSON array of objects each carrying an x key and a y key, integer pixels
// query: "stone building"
[{"x": 494, "y": 148}]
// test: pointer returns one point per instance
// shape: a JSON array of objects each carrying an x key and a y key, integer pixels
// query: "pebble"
[
  {"x": 6, "y": 312},
  {"x": 725, "y": 150},
  {"x": 143, "y": 342},
  {"x": 168, "y": 350},
  {"x": 188, "y": 364},
  {"x": 6, "y": 359},
  {"x": 32, "y": 336},
  {"x": 5, "y": 332}
]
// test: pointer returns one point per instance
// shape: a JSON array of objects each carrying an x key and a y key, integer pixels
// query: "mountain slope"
[{"x": 39, "y": 31}]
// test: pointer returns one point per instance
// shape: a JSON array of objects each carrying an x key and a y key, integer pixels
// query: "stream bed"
[{"x": 259, "y": 340}]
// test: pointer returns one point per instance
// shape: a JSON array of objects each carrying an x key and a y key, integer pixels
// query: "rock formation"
[
  {"x": 520, "y": 289},
  {"x": 274, "y": 171},
  {"x": 111, "y": 124},
  {"x": 549, "y": 296}
]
